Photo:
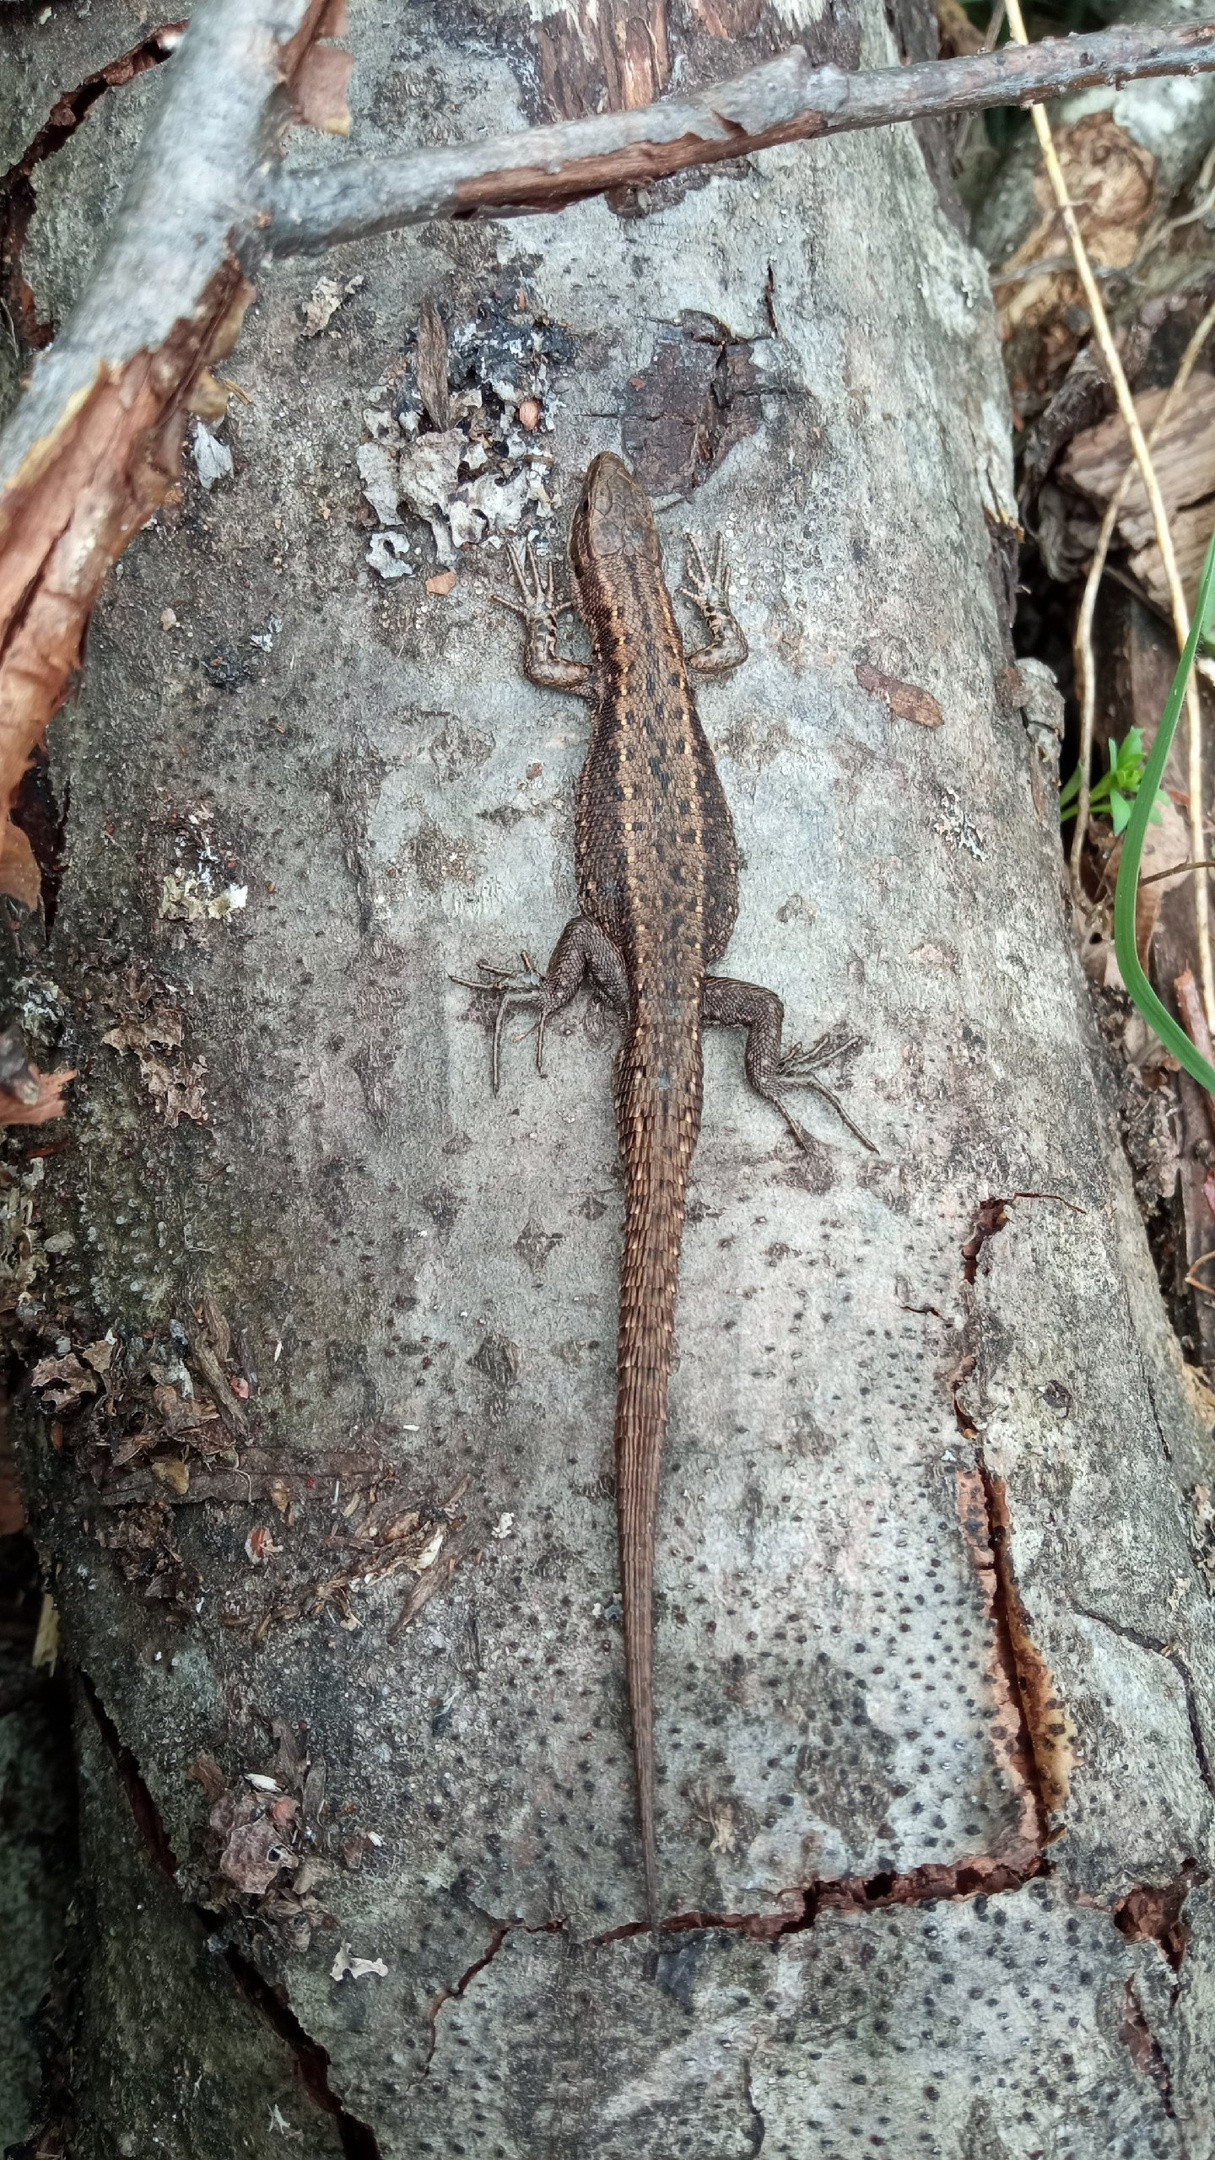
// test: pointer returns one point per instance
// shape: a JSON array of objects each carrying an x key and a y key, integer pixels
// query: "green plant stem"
[{"x": 1138, "y": 987}]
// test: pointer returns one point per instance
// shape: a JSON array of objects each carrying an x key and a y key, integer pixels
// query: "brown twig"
[
  {"x": 1180, "y": 869},
  {"x": 787, "y": 100},
  {"x": 1193, "y": 1018}
]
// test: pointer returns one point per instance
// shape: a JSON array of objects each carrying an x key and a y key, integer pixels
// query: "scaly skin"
[{"x": 658, "y": 890}]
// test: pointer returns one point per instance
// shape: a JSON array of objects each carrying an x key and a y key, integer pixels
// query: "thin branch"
[
  {"x": 1147, "y": 471},
  {"x": 1180, "y": 869},
  {"x": 1082, "y": 644},
  {"x": 787, "y": 100}
]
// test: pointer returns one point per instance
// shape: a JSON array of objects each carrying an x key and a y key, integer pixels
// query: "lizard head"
[{"x": 613, "y": 517}]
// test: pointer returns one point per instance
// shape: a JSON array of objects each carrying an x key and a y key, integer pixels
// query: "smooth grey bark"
[{"x": 423, "y": 1276}]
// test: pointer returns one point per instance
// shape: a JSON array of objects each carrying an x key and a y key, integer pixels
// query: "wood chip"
[{"x": 432, "y": 365}]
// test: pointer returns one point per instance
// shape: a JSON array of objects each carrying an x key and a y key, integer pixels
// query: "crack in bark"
[
  {"x": 1155, "y": 1913},
  {"x": 1172, "y": 1656},
  {"x": 1039, "y": 1733},
  {"x": 312, "y": 2061},
  {"x": 990, "y": 1217},
  {"x": 758, "y": 2127},
  {"x": 1145, "y": 2049},
  {"x": 501, "y": 1929},
  {"x": 1042, "y": 1719},
  {"x": 982, "y": 1875},
  {"x": 18, "y": 198},
  {"x": 1032, "y": 1728}
]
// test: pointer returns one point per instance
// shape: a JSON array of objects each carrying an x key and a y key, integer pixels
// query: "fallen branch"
[
  {"x": 96, "y": 443},
  {"x": 787, "y": 100}
]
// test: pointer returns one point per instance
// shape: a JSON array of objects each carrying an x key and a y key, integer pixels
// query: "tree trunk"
[{"x": 322, "y": 1469}]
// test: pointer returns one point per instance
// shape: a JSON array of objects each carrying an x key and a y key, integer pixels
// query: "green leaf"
[
  {"x": 1120, "y": 810},
  {"x": 1139, "y": 988}
]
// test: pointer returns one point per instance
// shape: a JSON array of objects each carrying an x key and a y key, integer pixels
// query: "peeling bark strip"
[
  {"x": 617, "y": 46},
  {"x": 97, "y": 442},
  {"x": 1032, "y": 1728},
  {"x": 1155, "y": 1913},
  {"x": 787, "y": 100},
  {"x": 904, "y": 700}
]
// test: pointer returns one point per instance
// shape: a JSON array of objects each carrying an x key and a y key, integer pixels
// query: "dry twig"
[
  {"x": 787, "y": 100},
  {"x": 1086, "y": 670}
]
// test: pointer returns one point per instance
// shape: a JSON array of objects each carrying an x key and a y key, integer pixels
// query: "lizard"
[{"x": 657, "y": 868}]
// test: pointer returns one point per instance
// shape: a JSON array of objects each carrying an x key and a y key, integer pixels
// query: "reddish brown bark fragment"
[
  {"x": 80, "y": 496},
  {"x": 905, "y": 700},
  {"x": 618, "y": 47}
]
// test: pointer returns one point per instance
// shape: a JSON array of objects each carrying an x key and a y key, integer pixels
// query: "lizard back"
[
  {"x": 658, "y": 873},
  {"x": 656, "y": 855}
]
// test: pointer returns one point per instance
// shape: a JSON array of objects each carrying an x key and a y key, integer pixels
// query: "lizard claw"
[
  {"x": 511, "y": 987},
  {"x": 707, "y": 589},
  {"x": 799, "y": 1067}
]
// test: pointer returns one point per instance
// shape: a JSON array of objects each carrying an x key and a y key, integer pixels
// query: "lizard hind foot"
[
  {"x": 512, "y": 987},
  {"x": 800, "y": 1066},
  {"x": 799, "y": 1061}
]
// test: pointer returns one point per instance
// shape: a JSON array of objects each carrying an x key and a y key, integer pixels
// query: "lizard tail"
[{"x": 659, "y": 1113}]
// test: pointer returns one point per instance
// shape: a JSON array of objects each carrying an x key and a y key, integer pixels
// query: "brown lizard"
[{"x": 658, "y": 891}]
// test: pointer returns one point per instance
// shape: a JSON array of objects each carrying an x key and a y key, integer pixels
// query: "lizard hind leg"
[
  {"x": 581, "y": 950},
  {"x": 771, "y": 1071}
]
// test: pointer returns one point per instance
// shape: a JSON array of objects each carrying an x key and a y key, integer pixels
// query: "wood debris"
[{"x": 1184, "y": 458}]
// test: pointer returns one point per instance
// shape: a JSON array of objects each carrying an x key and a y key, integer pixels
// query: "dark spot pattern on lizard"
[{"x": 658, "y": 896}]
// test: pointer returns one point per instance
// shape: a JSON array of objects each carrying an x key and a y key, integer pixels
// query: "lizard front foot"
[
  {"x": 708, "y": 589},
  {"x": 709, "y": 592},
  {"x": 537, "y": 605}
]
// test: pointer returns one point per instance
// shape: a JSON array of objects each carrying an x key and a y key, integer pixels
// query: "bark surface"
[{"x": 935, "y": 1674}]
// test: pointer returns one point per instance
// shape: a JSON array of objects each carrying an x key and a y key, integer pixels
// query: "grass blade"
[{"x": 1138, "y": 987}]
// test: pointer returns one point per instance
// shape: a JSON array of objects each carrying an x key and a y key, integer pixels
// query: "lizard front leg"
[
  {"x": 581, "y": 950},
  {"x": 771, "y": 1071},
  {"x": 540, "y": 611},
  {"x": 709, "y": 591}
]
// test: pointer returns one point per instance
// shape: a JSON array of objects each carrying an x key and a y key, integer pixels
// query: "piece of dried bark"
[
  {"x": 49, "y": 1102},
  {"x": 1184, "y": 458},
  {"x": 905, "y": 700},
  {"x": 318, "y": 93},
  {"x": 432, "y": 365}
]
